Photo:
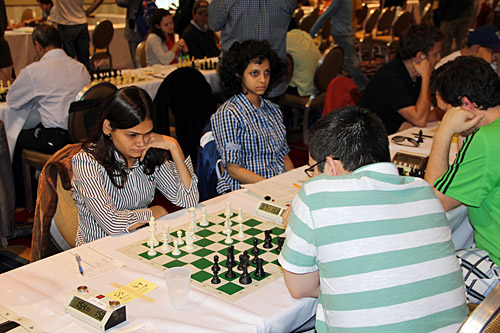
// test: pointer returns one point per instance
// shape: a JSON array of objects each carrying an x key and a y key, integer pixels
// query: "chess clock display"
[
  {"x": 270, "y": 210},
  {"x": 95, "y": 309}
]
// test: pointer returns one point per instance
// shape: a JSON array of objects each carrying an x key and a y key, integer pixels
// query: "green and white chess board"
[{"x": 210, "y": 242}]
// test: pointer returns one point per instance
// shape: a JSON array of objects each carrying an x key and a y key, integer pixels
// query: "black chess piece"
[
  {"x": 216, "y": 263},
  {"x": 230, "y": 274},
  {"x": 259, "y": 270},
  {"x": 268, "y": 240},
  {"x": 255, "y": 250},
  {"x": 246, "y": 258},
  {"x": 281, "y": 241},
  {"x": 254, "y": 260},
  {"x": 242, "y": 262},
  {"x": 245, "y": 278},
  {"x": 230, "y": 256},
  {"x": 216, "y": 278}
]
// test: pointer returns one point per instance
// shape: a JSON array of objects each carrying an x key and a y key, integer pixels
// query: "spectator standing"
[
  {"x": 456, "y": 17},
  {"x": 131, "y": 34}
]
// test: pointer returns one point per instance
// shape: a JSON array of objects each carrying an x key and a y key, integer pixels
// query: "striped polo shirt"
[{"x": 383, "y": 249}]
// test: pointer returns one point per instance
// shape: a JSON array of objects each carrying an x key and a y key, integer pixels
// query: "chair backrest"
[
  {"x": 385, "y": 20},
  {"x": 100, "y": 61},
  {"x": 341, "y": 91},
  {"x": 82, "y": 118},
  {"x": 95, "y": 90},
  {"x": 28, "y": 14},
  {"x": 325, "y": 30},
  {"x": 66, "y": 215},
  {"x": 289, "y": 67},
  {"x": 298, "y": 14},
  {"x": 189, "y": 96},
  {"x": 361, "y": 14},
  {"x": 427, "y": 13},
  {"x": 328, "y": 67},
  {"x": 486, "y": 316},
  {"x": 371, "y": 21},
  {"x": 401, "y": 24},
  {"x": 103, "y": 35},
  {"x": 140, "y": 55},
  {"x": 307, "y": 22}
]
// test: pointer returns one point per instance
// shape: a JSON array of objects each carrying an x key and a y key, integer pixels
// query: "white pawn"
[
  {"x": 165, "y": 247},
  {"x": 239, "y": 218},
  {"x": 167, "y": 231},
  {"x": 179, "y": 236},
  {"x": 176, "y": 250},
  {"x": 241, "y": 234},
  {"x": 228, "y": 240},
  {"x": 189, "y": 240},
  {"x": 204, "y": 222},
  {"x": 229, "y": 211},
  {"x": 152, "y": 251}
]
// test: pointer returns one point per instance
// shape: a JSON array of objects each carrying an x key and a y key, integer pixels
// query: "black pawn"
[
  {"x": 281, "y": 241},
  {"x": 268, "y": 240},
  {"x": 216, "y": 278},
  {"x": 255, "y": 250},
  {"x": 245, "y": 278},
  {"x": 216, "y": 263},
  {"x": 259, "y": 270},
  {"x": 255, "y": 259},
  {"x": 230, "y": 274}
]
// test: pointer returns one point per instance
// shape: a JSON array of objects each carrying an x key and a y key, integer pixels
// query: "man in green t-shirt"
[{"x": 469, "y": 90}]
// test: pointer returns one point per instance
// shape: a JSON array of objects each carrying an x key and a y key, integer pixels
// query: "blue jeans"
[
  {"x": 351, "y": 60},
  {"x": 76, "y": 41}
]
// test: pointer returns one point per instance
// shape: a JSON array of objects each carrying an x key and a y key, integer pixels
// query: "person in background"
[
  {"x": 5, "y": 57},
  {"x": 367, "y": 242},
  {"x": 468, "y": 90},
  {"x": 248, "y": 129},
  {"x": 483, "y": 42},
  {"x": 162, "y": 44},
  {"x": 456, "y": 17},
  {"x": 117, "y": 171},
  {"x": 46, "y": 88},
  {"x": 241, "y": 20},
  {"x": 399, "y": 91},
  {"x": 131, "y": 34},
  {"x": 340, "y": 14},
  {"x": 46, "y": 7},
  {"x": 71, "y": 21},
  {"x": 201, "y": 41}
]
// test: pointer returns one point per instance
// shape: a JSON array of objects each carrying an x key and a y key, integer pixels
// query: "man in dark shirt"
[
  {"x": 200, "y": 40},
  {"x": 399, "y": 91}
]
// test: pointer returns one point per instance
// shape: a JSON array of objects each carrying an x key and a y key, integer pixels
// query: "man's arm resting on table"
[{"x": 302, "y": 285}]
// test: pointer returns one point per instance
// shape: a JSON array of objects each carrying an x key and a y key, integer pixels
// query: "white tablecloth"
[
  {"x": 23, "y": 51},
  {"x": 40, "y": 290}
]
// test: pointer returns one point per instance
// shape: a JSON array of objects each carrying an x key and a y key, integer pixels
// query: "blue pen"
[{"x": 79, "y": 262}]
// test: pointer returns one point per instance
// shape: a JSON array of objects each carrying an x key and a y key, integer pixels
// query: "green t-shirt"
[{"x": 474, "y": 180}]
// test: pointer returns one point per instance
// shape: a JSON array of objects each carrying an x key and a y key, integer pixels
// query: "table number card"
[{"x": 137, "y": 289}]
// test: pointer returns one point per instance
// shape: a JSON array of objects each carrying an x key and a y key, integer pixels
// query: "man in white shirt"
[{"x": 47, "y": 87}]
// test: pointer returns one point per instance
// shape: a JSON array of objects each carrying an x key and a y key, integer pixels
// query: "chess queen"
[
  {"x": 162, "y": 44},
  {"x": 117, "y": 170},
  {"x": 248, "y": 129}
]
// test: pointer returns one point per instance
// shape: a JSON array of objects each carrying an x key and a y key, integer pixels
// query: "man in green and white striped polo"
[{"x": 373, "y": 246}]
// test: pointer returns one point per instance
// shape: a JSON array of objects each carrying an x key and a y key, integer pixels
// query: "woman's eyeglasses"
[
  {"x": 310, "y": 171},
  {"x": 399, "y": 139}
]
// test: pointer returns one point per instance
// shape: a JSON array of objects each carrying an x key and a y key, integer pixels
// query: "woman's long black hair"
[{"x": 125, "y": 108}]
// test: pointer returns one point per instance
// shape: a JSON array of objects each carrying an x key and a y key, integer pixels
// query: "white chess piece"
[
  {"x": 152, "y": 229},
  {"x": 229, "y": 211},
  {"x": 167, "y": 231},
  {"x": 239, "y": 218},
  {"x": 191, "y": 229},
  {"x": 152, "y": 251},
  {"x": 176, "y": 251},
  {"x": 179, "y": 236},
  {"x": 165, "y": 247},
  {"x": 204, "y": 222},
  {"x": 228, "y": 240},
  {"x": 241, "y": 234},
  {"x": 227, "y": 224},
  {"x": 189, "y": 240}
]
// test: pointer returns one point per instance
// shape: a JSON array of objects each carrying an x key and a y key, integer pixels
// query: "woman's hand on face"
[{"x": 155, "y": 140}]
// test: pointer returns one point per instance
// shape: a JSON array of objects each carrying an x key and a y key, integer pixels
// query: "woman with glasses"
[{"x": 248, "y": 129}]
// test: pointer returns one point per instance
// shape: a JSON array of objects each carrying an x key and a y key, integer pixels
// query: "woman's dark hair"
[
  {"x": 125, "y": 108},
  {"x": 156, "y": 18},
  {"x": 239, "y": 56}
]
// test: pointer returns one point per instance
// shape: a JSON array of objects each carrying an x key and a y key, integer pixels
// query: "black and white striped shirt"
[{"x": 104, "y": 209}]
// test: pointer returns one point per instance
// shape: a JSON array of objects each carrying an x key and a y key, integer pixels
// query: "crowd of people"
[{"x": 366, "y": 241}]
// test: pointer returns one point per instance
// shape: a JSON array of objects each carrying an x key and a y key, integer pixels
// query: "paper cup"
[{"x": 178, "y": 280}]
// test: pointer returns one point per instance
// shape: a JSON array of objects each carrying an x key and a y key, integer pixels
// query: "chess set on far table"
[{"x": 230, "y": 255}]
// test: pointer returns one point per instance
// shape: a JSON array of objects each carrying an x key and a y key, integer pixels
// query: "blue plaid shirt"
[
  {"x": 240, "y": 20},
  {"x": 251, "y": 137}
]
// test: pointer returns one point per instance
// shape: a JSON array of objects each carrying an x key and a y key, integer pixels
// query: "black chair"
[
  {"x": 101, "y": 38},
  {"x": 187, "y": 94}
]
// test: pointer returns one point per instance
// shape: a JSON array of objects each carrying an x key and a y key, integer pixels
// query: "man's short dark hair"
[
  {"x": 353, "y": 134},
  {"x": 45, "y": 2},
  {"x": 467, "y": 76},
  {"x": 47, "y": 35},
  {"x": 419, "y": 37}
]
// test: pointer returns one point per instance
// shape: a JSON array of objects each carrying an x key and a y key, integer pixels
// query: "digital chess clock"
[
  {"x": 271, "y": 210},
  {"x": 95, "y": 309}
]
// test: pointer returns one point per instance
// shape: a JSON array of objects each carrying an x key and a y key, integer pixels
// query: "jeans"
[
  {"x": 351, "y": 60},
  {"x": 76, "y": 41}
]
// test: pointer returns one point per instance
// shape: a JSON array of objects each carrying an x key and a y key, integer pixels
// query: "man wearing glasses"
[
  {"x": 368, "y": 242},
  {"x": 469, "y": 90}
]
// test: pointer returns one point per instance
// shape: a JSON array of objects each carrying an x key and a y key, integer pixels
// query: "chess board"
[{"x": 210, "y": 242}]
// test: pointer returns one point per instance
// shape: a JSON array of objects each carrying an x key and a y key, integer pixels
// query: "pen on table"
[
  {"x": 79, "y": 262},
  {"x": 296, "y": 185},
  {"x": 425, "y": 136}
]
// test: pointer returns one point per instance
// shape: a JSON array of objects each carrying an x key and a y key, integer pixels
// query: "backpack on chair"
[{"x": 209, "y": 165}]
